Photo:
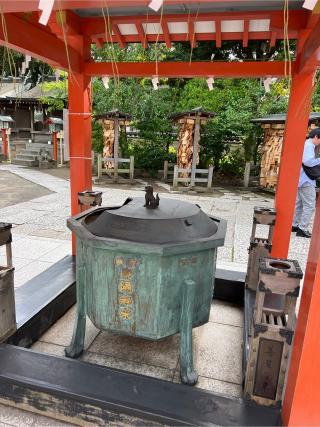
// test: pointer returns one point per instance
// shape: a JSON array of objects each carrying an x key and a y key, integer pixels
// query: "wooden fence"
[
  {"x": 168, "y": 171},
  {"x": 115, "y": 171},
  {"x": 192, "y": 179}
]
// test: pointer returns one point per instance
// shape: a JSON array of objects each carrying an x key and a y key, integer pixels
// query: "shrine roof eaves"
[{"x": 281, "y": 118}]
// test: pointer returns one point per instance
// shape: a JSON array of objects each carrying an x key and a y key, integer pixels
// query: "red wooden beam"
[
  {"x": 297, "y": 21},
  {"x": 142, "y": 35},
  {"x": 187, "y": 69},
  {"x": 192, "y": 36},
  {"x": 245, "y": 33},
  {"x": 166, "y": 34},
  {"x": 69, "y": 20},
  {"x": 218, "y": 33},
  {"x": 152, "y": 38},
  {"x": 32, "y": 40},
  {"x": 98, "y": 42},
  {"x": 273, "y": 38},
  {"x": 118, "y": 36},
  {"x": 309, "y": 58}
]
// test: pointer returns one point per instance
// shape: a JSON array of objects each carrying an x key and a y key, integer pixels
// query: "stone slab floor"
[{"x": 40, "y": 238}]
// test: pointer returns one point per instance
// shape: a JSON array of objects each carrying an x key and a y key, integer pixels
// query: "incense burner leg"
[
  {"x": 187, "y": 372},
  {"x": 77, "y": 344}
]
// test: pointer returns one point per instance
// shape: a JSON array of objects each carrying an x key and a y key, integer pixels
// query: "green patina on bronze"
[{"x": 146, "y": 289}]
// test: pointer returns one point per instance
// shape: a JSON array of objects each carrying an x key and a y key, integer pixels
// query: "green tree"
[{"x": 55, "y": 94}]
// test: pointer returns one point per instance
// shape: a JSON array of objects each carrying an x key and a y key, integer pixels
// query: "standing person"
[{"x": 306, "y": 196}]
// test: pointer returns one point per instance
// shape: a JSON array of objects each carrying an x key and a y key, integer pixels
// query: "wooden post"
[
  {"x": 291, "y": 157},
  {"x": 116, "y": 149},
  {"x": 131, "y": 169},
  {"x": 8, "y": 145},
  {"x": 55, "y": 146},
  {"x": 32, "y": 118},
  {"x": 246, "y": 177},
  {"x": 4, "y": 143},
  {"x": 9, "y": 255},
  {"x": 196, "y": 139},
  {"x": 210, "y": 175},
  {"x": 99, "y": 166},
  {"x": 165, "y": 170},
  {"x": 61, "y": 151},
  {"x": 175, "y": 176},
  {"x": 92, "y": 159}
]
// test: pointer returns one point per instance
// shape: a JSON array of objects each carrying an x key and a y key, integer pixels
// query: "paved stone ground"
[
  {"x": 14, "y": 189},
  {"x": 40, "y": 238}
]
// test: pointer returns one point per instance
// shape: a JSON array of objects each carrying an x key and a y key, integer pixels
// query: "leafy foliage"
[
  {"x": 235, "y": 101},
  {"x": 149, "y": 109},
  {"x": 150, "y": 155},
  {"x": 55, "y": 94}
]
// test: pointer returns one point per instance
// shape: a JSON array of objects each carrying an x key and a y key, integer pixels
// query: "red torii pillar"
[
  {"x": 301, "y": 405},
  {"x": 302, "y": 396},
  {"x": 291, "y": 157},
  {"x": 79, "y": 91}
]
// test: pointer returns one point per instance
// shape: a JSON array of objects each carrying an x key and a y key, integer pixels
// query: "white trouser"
[{"x": 305, "y": 206}]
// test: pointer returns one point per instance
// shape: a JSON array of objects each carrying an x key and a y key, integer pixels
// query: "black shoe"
[
  {"x": 302, "y": 233},
  {"x": 294, "y": 228}
]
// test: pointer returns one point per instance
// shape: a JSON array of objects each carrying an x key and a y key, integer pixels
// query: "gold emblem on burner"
[
  {"x": 119, "y": 261},
  {"x": 125, "y": 300},
  {"x": 126, "y": 273},
  {"x": 133, "y": 262},
  {"x": 125, "y": 286},
  {"x": 125, "y": 313}
]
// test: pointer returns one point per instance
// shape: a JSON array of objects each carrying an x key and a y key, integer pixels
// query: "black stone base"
[
  {"x": 83, "y": 392},
  {"x": 229, "y": 286}
]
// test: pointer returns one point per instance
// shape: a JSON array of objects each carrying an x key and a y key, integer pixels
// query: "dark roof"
[
  {"x": 193, "y": 7},
  {"x": 8, "y": 119},
  {"x": 113, "y": 114},
  {"x": 54, "y": 120},
  {"x": 281, "y": 118},
  {"x": 14, "y": 90},
  {"x": 196, "y": 112}
]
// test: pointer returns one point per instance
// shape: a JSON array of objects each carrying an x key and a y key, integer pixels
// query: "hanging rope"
[
  {"x": 157, "y": 39},
  {"x": 7, "y": 51},
  {"x": 110, "y": 48},
  {"x": 193, "y": 35},
  {"x": 286, "y": 43},
  {"x": 61, "y": 17}
]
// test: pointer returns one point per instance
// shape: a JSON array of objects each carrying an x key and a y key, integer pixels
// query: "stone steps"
[
  {"x": 30, "y": 155},
  {"x": 29, "y": 163},
  {"x": 26, "y": 156}
]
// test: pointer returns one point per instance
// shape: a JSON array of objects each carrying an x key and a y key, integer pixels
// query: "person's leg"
[
  {"x": 308, "y": 197},
  {"x": 298, "y": 210}
]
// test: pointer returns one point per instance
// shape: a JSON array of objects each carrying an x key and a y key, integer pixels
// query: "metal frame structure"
[{"x": 65, "y": 42}]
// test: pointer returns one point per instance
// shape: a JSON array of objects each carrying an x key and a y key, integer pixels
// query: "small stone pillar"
[
  {"x": 259, "y": 247},
  {"x": 272, "y": 330},
  {"x": 87, "y": 199}
]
